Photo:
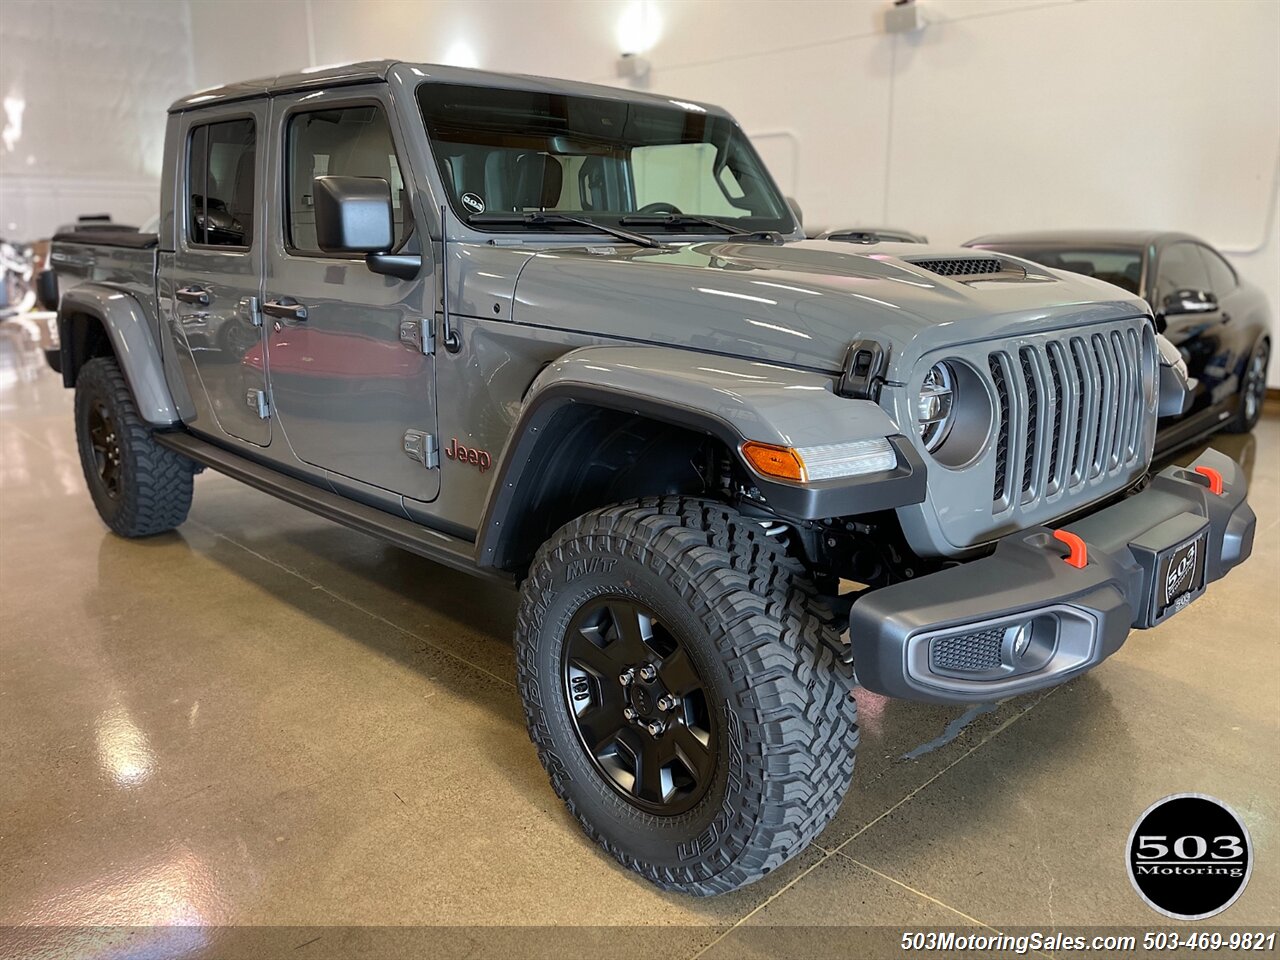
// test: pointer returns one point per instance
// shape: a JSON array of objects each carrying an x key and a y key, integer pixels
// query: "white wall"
[
  {"x": 84, "y": 87},
  {"x": 1001, "y": 115}
]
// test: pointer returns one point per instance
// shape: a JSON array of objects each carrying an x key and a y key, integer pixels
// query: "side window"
[
  {"x": 1181, "y": 268},
  {"x": 220, "y": 176},
  {"x": 1222, "y": 279},
  {"x": 350, "y": 141}
]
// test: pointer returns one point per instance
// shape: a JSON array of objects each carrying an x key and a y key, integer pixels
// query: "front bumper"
[{"x": 1023, "y": 618}]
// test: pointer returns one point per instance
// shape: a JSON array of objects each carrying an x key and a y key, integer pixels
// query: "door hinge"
[
  {"x": 257, "y": 400},
  {"x": 421, "y": 446},
  {"x": 418, "y": 334},
  {"x": 249, "y": 310}
]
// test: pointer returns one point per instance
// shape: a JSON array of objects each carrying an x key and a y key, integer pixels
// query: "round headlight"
[{"x": 934, "y": 405}]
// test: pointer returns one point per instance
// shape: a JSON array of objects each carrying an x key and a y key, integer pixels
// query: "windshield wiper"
[
  {"x": 536, "y": 219},
  {"x": 689, "y": 219}
]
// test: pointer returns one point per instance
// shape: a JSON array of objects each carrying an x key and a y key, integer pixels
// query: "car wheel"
[
  {"x": 1253, "y": 391},
  {"x": 139, "y": 487},
  {"x": 680, "y": 683}
]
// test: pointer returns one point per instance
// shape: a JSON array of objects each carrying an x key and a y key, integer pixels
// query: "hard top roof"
[{"x": 379, "y": 70}]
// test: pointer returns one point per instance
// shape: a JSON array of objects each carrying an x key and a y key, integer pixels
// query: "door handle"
[
  {"x": 286, "y": 308},
  {"x": 193, "y": 294}
]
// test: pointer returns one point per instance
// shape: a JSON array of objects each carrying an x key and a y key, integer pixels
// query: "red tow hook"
[
  {"x": 1214, "y": 478},
  {"x": 1079, "y": 554}
]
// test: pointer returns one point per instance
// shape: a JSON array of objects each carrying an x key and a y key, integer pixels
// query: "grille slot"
[
  {"x": 1027, "y": 358},
  {"x": 1070, "y": 409},
  {"x": 1057, "y": 369},
  {"x": 977, "y": 652},
  {"x": 1002, "y": 440},
  {"x": 961, "y": 266}
]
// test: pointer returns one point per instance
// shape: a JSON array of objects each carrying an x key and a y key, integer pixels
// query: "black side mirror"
[
  {"x": 1189, "y": 301},
  {"x": 353, "y": 214},
  {"x": 796, "y": 211}
]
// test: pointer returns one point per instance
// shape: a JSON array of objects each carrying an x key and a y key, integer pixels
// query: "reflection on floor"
[{"x": 263, "y": 718}]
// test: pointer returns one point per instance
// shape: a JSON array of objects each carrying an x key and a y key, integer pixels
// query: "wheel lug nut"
[
  {"x": 628, "y": 713},
  {"x": 656, "y": 728},
  {"x": 666, "y": 703},
  {"x": 647, "y": 672},
  {"x": 627, "y": 677}
]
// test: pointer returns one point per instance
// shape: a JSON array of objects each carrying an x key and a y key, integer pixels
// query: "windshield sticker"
[{"x": 473, "y": 202}]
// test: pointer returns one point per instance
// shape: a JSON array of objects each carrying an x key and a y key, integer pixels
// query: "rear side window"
[
  {"x": 220, "y": 177},
  {"x": 350, "y": 141}
]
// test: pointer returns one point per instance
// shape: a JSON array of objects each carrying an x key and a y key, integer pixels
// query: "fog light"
[{"x": 1021, "y": 640}]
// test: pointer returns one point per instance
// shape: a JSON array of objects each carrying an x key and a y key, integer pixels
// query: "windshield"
[
  {"x": 1119, "y": 265},
  {"x": 518, "y": 151}
]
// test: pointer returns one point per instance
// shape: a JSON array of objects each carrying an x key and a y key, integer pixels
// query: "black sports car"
[{"x": 1219, "y": 322}]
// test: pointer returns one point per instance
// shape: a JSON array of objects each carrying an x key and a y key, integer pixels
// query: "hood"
[{"x": 801, "y": 303}]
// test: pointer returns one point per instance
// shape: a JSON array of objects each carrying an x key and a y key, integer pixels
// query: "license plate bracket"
[
  {"x": 1173, "y": 556},
  {"x": 1179, "y": 576}
]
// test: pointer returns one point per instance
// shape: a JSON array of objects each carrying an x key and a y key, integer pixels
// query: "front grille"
[
  {"x": 968, "y": 652},
  {"x": 961, "y": 266},
  {"x": 1070, "y": 410}
]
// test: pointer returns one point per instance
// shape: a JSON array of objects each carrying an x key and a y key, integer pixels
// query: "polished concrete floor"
[{"x": 263, "y": 719}]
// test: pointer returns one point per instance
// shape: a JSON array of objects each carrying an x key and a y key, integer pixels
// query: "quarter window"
[
  {"x": 353, "y": 141},
  {"x": 220, "y": 175}
]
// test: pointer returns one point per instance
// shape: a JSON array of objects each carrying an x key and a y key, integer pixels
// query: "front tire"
[
  {"x": 742, "y": 731},
  {"x": 139, "y": 487}
]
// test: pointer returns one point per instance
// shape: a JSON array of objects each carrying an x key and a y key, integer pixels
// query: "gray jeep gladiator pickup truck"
[{"x": 573, "y": 338}]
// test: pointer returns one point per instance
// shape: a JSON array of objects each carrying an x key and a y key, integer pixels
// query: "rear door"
[
  {"x": 217, "y": 271},
  {"x": 349, "y": 376}
]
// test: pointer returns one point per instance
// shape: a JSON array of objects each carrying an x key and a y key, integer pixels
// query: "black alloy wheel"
[
  {"x": 639, "y": 706},
  {"x": 104, "y": 439}
]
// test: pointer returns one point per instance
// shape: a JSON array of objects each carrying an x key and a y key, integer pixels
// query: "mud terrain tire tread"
[
  {"x": 156, "y": 483},
  {"x": 791, "y": 699}
]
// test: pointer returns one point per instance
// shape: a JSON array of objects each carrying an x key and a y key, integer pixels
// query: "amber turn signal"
[{"x": 780, "y": 462}]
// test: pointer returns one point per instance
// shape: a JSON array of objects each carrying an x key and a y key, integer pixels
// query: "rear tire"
[
  {"x": 728, "y": 610},
  {"x": 139, "y": 487},
  {"x": 1253, "y": 392}
]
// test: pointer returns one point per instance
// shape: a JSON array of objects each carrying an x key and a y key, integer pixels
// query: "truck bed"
[
  {"x": 99, "y": 236},
  {"x": 123, "y": 259}
]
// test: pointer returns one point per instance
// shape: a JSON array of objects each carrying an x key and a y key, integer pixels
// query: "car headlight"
[{"x": 934, "y": 405}]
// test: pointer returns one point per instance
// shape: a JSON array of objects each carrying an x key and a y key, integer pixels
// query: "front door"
[
  {"x": 217, "y": 272},
  {"x": 1182, "y": 274},
  {"x": 349, "y": 378}
]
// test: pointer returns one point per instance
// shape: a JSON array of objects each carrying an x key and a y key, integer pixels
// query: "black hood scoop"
[{"x": 970, "y": 269}]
